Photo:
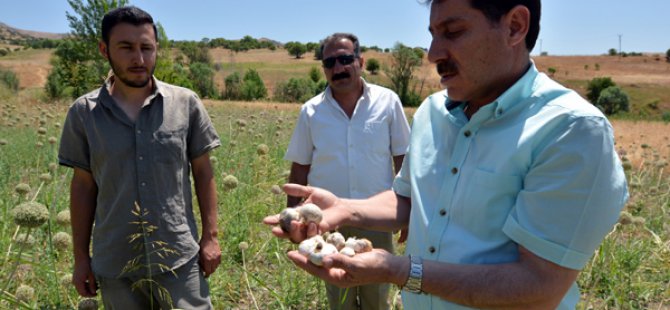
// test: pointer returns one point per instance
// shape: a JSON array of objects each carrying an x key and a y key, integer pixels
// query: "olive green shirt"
[{"x": 146, "y": 161}]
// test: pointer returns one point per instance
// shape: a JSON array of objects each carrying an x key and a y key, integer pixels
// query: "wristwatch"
[{"x": 413, "y": 284}]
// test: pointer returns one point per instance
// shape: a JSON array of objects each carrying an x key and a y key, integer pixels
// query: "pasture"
[{"x": 631, "y": 270}]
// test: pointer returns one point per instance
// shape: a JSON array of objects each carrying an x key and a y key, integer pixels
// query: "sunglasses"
[{"x": 344, "y": 60}]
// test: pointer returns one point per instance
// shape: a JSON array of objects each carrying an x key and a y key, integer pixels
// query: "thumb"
[{"x": 296, "y": 190}]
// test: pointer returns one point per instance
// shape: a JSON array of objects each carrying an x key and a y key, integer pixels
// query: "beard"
[{"x": 120, "y": 74}]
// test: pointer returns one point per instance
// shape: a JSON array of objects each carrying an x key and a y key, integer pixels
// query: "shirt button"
[
  {"x": 454, "y": 170},
  {"x": 139, "y": 131},
  {"x": 144, "y": 184},
  {"x": 141, "y": 157},
  {"x": 443, "y": 212},
  {"x": 431, "y": 249},
  {"x": 467, "y": 133}
]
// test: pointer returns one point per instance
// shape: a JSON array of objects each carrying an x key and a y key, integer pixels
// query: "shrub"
[
  {"x": 612, "y": 52},
  {"x": 551, "y": 71},
  {"x": 613, "y": 100},
  {"x": 10, "y": 80},
  {"x": 314, "y": 74},
  {"x": 667, "y": 55},
  {"x": 596, "y": 86},
  {"x": 253, "y": 87},
  {"x": 666, "y": 117},
  {"x": 202, "y": 76},
  {"x": 372, "y": 65},
  {"x": 295, "y": 90},
  {"x": 233, "y": 84}
]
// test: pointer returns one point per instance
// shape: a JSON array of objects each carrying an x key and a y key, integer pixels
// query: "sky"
[{"x": 568, "y": 27}]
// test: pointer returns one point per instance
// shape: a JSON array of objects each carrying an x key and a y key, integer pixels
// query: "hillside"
[{"x": 8, "y": 33}]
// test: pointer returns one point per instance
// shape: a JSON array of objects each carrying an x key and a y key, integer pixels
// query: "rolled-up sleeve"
[{"x": 572, "y": 194}]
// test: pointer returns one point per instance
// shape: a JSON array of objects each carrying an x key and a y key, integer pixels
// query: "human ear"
[
  {"x": 517, "y": 21},
  {"x": 102, "y": 47}
]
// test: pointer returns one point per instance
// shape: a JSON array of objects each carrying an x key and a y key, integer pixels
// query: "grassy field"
[{"x": 631, "y": 270}]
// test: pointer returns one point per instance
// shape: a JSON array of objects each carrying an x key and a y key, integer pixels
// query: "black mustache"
[
  {"x": 339, "y": 76},
  {"x": 446, "y": 68}
]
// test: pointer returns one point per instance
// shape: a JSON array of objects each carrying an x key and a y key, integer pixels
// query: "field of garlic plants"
[{"x": 631, "y": 270}]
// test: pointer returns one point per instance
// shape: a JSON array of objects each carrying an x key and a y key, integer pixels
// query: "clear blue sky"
[{"x": 569, "y": 27}]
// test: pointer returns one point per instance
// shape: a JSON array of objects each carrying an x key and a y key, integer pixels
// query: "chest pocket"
[
  {"x": 169, "y": 146},
  {"x": 376, "y": 134},
  {"x": 488, "y": 200}
]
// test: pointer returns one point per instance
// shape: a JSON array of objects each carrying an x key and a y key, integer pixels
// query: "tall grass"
[{"x": 631, "y": 270}]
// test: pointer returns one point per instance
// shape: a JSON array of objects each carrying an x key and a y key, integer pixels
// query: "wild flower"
[
  {"x": 53, "y": 167},
  {"x": 63, "y": 218},
  {"x": 625, "y": 218},
  {"x": 42, "y": 131},
  {"x": 39, "y": 144},
  {"x": 62, "y": 241},
  {"x": 22, "y": 188},
  {"x": 243, "y": 246},
  {"x": 3, "y": 142},
  {"x": 230, "y": 182},
  {"x": 241, "y": 122},
  {"x": 52, "y": 140},
  {"x": 87, "y": 304},
  {"x": 214, "y": 160},
  {"x": 25, "y": 240},
  {"x": 262, "y": 149},
  {"x": 275, "y": 189},
  {"x": 30, "y": 214},
  {"x": 45, "y": 177},
  {"x": 24, "y": 293},
  {"x": 66, "y": 280}
]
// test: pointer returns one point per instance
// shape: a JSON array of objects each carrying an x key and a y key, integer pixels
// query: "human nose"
[{"x": 437, "y": 51}]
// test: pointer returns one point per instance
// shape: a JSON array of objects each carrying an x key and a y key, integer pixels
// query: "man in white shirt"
[{"x": 350, "y": 139}]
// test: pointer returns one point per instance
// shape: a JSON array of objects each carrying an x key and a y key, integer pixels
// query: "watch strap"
[{"x": 413, "y": 284}]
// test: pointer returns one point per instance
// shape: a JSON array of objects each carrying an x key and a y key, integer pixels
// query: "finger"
[
  {"x": 312, "y": 229},
  {"x": 91, "y": 287},
  {"x": 296, "y": 190},
  {"x": 271, "y": 220},
  {"x": 337, "y": 261},
  {"x": 298, "y": 232}
]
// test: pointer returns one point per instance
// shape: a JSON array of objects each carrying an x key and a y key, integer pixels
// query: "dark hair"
[
  {"x": 127, "y": 14},
  {"x": 495, "y": 9},
  {"x": 338, "y": 36}
]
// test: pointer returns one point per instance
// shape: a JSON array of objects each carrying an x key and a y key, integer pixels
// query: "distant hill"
[{"x": 9, "y": 33}]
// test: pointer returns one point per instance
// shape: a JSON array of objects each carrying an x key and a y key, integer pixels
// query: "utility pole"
[
  {"x": 540, "y": 47},
  {"x": 620, "y": 35}
]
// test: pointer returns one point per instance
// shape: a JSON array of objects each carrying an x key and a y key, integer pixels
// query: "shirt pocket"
[
  {"x": 169, "y": 146},
  {"x": 376, "y": 135},
  {"x": 488, "y": 200}
]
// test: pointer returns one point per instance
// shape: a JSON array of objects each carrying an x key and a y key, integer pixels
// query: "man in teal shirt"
[{"x": 510, "y": 183}]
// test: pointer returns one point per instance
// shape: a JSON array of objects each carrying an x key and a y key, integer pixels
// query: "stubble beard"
[{"x": 118, "y": 73}]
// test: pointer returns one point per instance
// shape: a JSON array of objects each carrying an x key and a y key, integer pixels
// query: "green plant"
[
  {"x": 612, "y": 52},
  {"x": 10, "y": 80},
  {"x": 404, "y": 61},
  {"x": 372, "y": 65},
  {"x": 296, "y": 49},
  {"x": 202, "y": 76},
  {"x": 551, "y": 71},
  {"x": 596, "y": 86},
  {"x": 233, "y": 84},
  {"x": 613, "y": 100},
  {"x": 147, "y": 250},
  {"x": 314, "y": 74},
  {"x": 253, "y": 87},
  {"x": 295, "y": 90}
]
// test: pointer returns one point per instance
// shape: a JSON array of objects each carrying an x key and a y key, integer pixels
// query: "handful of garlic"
[
  {"x": 305, "y": 213},
  {"x": 316, "y": 248}
]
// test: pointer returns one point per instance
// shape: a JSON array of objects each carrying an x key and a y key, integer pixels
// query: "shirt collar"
[
  {"x": 522, "y": 88},
  {"x": 158, "y": 89}
]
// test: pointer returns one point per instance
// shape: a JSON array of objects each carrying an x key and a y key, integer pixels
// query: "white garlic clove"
[
  {"x": 350, "y": 243},
  {"x": 362, "y": 245},
  {"x": 322, "y": 250},
  {"x": 310, "y": 213},
  {"x": 336, "y": 239},
  {"x": 348, "y": 251},
  {"x": 286, "y": 217}
]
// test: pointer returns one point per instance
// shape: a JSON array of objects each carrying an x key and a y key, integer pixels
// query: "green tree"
[
  {"x": 612, "y": 52},
  {"x": 253, "y": 87},
  {"x": 404, "y": 61},
  {"x": 295, "y": 90},
  {"x": 233, "y": 84},
  {"x": 372, "y": 65},
  {"x": 202, "y": 76},
  {"x": 315, "y": 74},
  {"x": 196, "y": 52},
  {"x": 78, "y": 68},
  {"x": 167, "y": 70},
  {"x": 296, "y": 49},
  {"x": 613, "y": 100},
  {"x": 596, "y": 86}
]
